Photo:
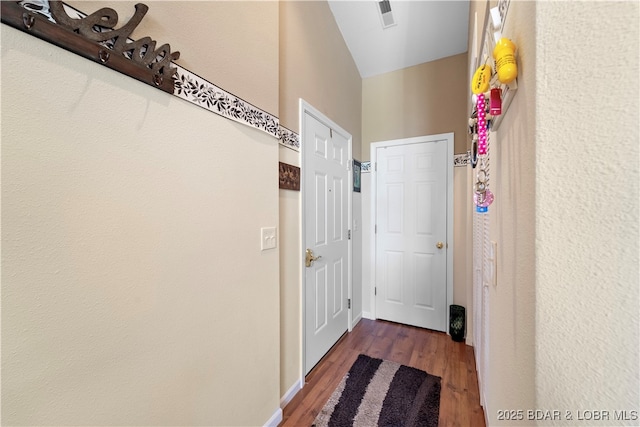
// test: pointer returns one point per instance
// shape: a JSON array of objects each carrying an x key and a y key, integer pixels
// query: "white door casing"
[
  {"x": 413, "y": 230},
  {"x": 326, "y": 203}
]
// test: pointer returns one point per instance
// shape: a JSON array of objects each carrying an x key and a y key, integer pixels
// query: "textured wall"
[
  {"x": 564, "y": 314},
  {"x": 587, "y": 236},
  {"x": 134, "y": 291}
]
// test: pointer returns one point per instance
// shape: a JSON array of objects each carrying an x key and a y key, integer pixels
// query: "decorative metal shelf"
[{"x": 95, "y": 38}]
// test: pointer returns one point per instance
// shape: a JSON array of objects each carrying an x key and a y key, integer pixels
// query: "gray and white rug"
[{"x": 378, "y": 392}]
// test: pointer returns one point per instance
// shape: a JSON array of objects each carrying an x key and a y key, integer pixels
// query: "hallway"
[{"x": 434, "y": 352}]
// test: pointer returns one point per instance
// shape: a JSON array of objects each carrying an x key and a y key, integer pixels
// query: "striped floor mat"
[{"x": 378, "y": 392}]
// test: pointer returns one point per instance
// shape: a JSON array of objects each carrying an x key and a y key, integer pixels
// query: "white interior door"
[
  {"x": 411, "y": 233},
  {"x": 327, "y": 190}
]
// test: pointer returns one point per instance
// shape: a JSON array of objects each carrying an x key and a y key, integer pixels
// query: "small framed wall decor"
[
  {"x": 289, "y": 177},
  {"x": 357, "y": 170}
]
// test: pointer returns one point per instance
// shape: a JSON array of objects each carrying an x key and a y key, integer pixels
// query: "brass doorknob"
[
  {"x": 309, "y": 258},
  {"x": 439, "y": 245}
]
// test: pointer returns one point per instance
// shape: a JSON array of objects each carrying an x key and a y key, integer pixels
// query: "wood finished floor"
[{"x": 434, "y": 352}]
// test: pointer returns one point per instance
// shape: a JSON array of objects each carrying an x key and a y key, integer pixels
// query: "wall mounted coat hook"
[
  {"x": 28, "y": 20},
  {"x": 95, "y": 37}
]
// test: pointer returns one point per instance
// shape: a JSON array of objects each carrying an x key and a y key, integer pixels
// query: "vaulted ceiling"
[{"x": 420, "y": 31}]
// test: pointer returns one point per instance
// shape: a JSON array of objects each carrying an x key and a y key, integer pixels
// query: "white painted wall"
[
  {"x": 134, "y": 291},
  {"x": 587, "y": 234}
]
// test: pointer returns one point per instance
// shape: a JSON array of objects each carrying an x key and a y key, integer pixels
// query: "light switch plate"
[{"x": 268, "y": 238}]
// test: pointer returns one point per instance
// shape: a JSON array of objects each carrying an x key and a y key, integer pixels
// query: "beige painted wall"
[
  {"x": 587, "y": 223},
  {"x": 232, "y": 44},
  {"x": 290, "y": 282},
  {"x": 315, "y": 65},
  {"x": 134, "y": 291},
  {"x": 425, "y": 99}
]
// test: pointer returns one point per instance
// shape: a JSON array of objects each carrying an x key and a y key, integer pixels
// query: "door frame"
[
  {"x": 449, "y": 137},
  {"x": 306, "y": 108}
]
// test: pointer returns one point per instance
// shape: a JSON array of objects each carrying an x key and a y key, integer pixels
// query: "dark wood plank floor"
[{"x": 434, "y": 352}]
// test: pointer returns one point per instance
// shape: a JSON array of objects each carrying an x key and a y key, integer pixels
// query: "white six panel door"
[
  {"x": 326, "y": 223},
  {"x": 411, "y": 210}
]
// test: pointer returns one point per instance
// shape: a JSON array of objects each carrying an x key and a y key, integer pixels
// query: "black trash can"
[{"x": 457, "y": 322}]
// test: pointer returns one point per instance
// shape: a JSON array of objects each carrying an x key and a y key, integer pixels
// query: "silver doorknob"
[
  {"x": 439, "y": 245},
  {"x": 309, "y": 258}
]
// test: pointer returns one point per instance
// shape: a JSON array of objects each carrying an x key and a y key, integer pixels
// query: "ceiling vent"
[{"x": 386, "y": 15}]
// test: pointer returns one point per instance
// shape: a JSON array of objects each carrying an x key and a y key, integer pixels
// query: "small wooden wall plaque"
[{"x": 289, "y": 177}]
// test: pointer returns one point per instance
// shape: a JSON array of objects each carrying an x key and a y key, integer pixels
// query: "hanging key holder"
[
  {"x": 480, "y": 188},
  {"x": 482, "y": 196}
]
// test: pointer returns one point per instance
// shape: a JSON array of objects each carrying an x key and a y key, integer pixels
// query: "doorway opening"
[{"x": 412, "y": 211}]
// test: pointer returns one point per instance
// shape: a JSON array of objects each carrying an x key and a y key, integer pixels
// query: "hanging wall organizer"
[
  {"x": 493, "y": 86},
  {"x": 491, "y": 37}
]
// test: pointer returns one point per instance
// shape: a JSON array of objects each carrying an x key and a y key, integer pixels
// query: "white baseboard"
[
  {"x": 275, "y": 419},
  {"x": 295, "y": 388},
  {"x": 368, "y": 315},
  {"x": 356, "y": 320}
]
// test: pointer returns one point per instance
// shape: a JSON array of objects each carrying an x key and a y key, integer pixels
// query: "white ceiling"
[{"x": 426, "y": 31}]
